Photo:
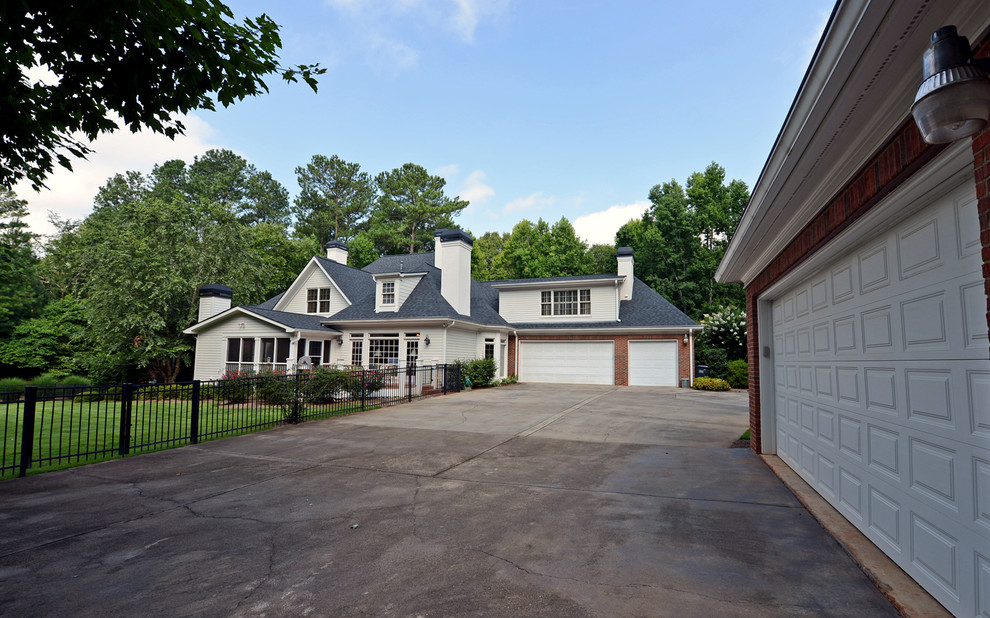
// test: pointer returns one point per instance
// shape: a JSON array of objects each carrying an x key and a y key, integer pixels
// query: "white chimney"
[
  {"x": 452, "y": 255},
  {"x": 624, "y": 255},
  {"x": 213, "y": 299},
  {"x": 337, "y": 252}
]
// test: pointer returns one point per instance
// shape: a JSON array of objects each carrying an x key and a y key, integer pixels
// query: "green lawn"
[{"x": 68, "y": 434}]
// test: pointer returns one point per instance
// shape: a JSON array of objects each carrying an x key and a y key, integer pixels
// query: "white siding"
[
  {"x": 524, "y": 305},
  {"x": 314, "y": 278},
  {"x": 461, "y": 345},
  {"x": 211, "y": 344}
]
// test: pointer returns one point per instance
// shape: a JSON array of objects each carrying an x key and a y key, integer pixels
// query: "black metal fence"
[{"x": 47, "y": 428}]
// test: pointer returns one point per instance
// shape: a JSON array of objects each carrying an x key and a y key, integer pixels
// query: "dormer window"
[
  {"x": 318, "y": 300},
  {"x": 388, "y": 292},
  {"x": 565, "y": 302}
]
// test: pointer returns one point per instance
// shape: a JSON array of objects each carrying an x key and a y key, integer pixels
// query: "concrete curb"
[{"x": 905, "y": 594}]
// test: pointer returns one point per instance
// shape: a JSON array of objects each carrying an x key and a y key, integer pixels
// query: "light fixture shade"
[{"x": 954, "y": 99}]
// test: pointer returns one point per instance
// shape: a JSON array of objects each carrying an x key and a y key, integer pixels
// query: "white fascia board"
[
  {"x": 857, "y": 92},
  {"x": 377, "y": 276},
  {"x": 567, "y": 283},
  {"x": 400, "y": 323},
  {"x": 634, "y": 330},
  {"x": 195, "y": 328}
]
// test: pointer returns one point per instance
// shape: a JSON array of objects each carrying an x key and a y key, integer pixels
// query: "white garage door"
[
  {"x": 569, "y": 362},
  {"x": 653, "y": 363},
  {"x": 882, "y": 395}
]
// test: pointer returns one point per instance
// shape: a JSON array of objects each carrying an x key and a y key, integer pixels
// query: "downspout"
[
  {"x": 691, "y": 358},
  {"x": 515, "y": 334},
  {"x": 617, "y": 301}
]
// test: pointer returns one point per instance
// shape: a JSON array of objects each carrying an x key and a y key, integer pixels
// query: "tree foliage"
[
  {"x": 486, "y": 264},
  {"x": 411, "y": 205},
  {"x": 541, "y": 250},
  {"x": 137, "y": 62},
  {"x": 334, "y": 198},
  {"x": 21, "y": 292},
  {"x": 49, "y": 342},
  {"x": 682, "y": 237}
]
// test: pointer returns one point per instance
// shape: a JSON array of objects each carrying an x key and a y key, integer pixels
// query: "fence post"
[
  {"x": 409, "y": 381},
  {"x": 194, "y": 415},
  {"x": 27, "y": 431},
  {"x": 363, "y": 384},
  {"x": 126, "y": 392},
  {"x": 444, "y": 379},
  {"x": 295, "y": 399}
]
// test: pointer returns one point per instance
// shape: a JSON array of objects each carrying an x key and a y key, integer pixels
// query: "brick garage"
[{"x": 684, "y": 360}]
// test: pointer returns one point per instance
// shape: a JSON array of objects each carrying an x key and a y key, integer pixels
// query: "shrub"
[
  {"x": 479, "y": 371},
  {"x": 45, "y": 380},
  {"x": 365, "y": 382},
  {"x": 715, "y": 358},
  {"x": 326, "y": 385},
  {"x": 11, "y": 389},
  {"x": 738, "y": 374},
  {"x": 75, "y": 381},
  {"x": 510, "y": 379},
  {"x": 236, "y": 386},
  {"x": 88, "y": 396},
  {"x": 725, "y": 328},
  {"x": 711, "y": 384}
]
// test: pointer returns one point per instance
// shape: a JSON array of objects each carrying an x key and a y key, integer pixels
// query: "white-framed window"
[
  {"x": 383, "y": 350},
  {"x": 357, "y": 352},
  {"x": 412, "y": 352},
  {"x": 316, "y": 350},
  {"x": 490, "y": 347},
  {"x": 318, "y": 300},
  {"x": 272, "y": 353},
  {"x": 388, "y": 292},
  {"x": 565, "y": 302}
]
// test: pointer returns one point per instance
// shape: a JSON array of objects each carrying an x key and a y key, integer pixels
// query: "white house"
[
  {"x": 425, "y": 308},
  {"x": 865, "y": 254}
]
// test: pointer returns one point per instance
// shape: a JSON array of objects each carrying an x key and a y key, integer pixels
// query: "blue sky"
[{"x": 528, "y": 109}]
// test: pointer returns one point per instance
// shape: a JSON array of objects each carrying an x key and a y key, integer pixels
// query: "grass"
[
  {"x": 68, "y": 434},
  {"x": 745, "y": 436}
]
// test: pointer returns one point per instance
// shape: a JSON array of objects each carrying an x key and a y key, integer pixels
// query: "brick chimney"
[
  {"x": 213, "y": 299},
  {"x": 452, "y": 255}
]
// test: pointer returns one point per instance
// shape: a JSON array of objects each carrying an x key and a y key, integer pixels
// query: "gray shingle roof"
[{"x": 646, "y": 309}]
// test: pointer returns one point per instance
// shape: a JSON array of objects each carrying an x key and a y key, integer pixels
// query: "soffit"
[{"x": 857, "y": 92}]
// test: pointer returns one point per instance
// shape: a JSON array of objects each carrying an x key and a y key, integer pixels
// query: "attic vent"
[{"x": 401, "y": 265}]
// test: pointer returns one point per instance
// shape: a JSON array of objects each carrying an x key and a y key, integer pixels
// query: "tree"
[
  {"x": 486, "y": 264},
  {"x": 141, "y": 62},
  {"x": 411, "y": 206},
  {"x": 21, "y": 292},
  {"x": 601, "y": 259},
  {"x": 48, "y": 343},
  {"x": 226, "y": 178},
  {"x": 682, "y": 237},
  {"x": 539, "y": 250},
  {"x": 334, "y": 198}
]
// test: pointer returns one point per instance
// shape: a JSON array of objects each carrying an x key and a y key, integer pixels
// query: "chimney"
[
  {"x": 624, "y": 255},
  {"x": 337, "y": 252},
  {"x": 213, "y": 299},
  {"x": 452, "y": 255}
]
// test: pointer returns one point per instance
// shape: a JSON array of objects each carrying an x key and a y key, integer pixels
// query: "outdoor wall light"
[
  {"x": 340, "y": 341},
  {"x": 954, "y": 99},
  {"x": 426, "y": 340}
]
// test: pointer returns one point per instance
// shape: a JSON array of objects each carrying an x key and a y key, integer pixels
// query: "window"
[
  {"x": 316, "y": 350},
  {"x": 383, "y": 350},
  {"x": 357, "y": 352},
  {"x": 318, "y": 300},
  {"x": 412, "y": 352},
  {"x": 490, "y": 348},
  {"x": 273, "y": 352},
  {"x": 388, "y": 292},
  {"x": 565, "y": 302}
]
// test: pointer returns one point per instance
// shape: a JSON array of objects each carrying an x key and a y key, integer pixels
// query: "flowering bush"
[
  {"x": 236, "y": 385},
  {"x": 725, "y": 329},
  {"x": 366, "y": 382}
]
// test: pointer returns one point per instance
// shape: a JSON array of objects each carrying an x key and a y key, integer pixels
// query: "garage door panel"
[
  {"x": 882, "y": 396},
  {"x": 567, "y": 362},
  {"x": 653, "y": 363}
]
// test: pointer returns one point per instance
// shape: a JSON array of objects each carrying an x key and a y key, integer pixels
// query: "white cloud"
[
  {"x": 448, "y": 172},
  {"x": 70, "y": 194},
  {"x": 469, "y": 13},
  {"x": 391, "y": 55},
  {"x": 534, "y": 202},
  {"x": 600, "y": 227},
  {"x": 475, "y": 190}
]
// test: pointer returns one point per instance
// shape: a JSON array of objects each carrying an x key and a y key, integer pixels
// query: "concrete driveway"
[{"x": 530, "y": 500}]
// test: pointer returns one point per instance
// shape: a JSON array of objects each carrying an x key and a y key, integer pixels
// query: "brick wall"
[{"x": 684, "y": 364}]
